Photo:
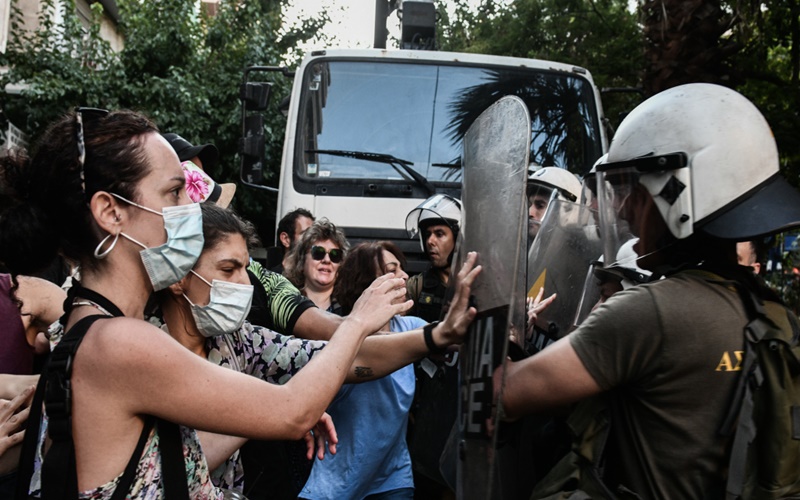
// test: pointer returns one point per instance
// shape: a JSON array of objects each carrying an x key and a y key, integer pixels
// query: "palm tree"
[{"x": 687, "y": 41}]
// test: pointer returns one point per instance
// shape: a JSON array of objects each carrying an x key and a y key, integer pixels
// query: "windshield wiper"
[{"x": 397, "y": 163}]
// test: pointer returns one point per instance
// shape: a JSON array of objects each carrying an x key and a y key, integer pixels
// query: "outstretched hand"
[
  {"x": 535, "y": 306},
  {"x": 459, "y": 316},
  {"x": 12, "y": 418},
  {"x": 322, "y": 433},
  {"x": 385, "y": 298}
]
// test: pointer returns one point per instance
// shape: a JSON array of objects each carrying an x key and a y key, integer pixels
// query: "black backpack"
[{"x": 59, "y": 480}]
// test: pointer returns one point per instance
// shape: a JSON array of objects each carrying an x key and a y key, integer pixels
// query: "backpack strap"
[
  {"x": 173, "y": 466},
  {"x": 59, "y": 472},
  {"x": 59, "y": 478},
  {"x": 125, "y": 482}
]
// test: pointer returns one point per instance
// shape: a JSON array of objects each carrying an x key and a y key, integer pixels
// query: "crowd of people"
[{"x": 175, "y": 365}]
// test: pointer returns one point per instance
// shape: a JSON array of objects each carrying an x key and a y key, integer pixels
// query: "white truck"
[{"x": 371, "y": 133}]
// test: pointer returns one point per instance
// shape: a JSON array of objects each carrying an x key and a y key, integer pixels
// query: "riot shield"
[
  {"x": 494, "y": 223},
  {"x": 559, "y": 260}
]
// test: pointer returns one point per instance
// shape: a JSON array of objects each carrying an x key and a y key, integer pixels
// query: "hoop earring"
[{"x": 102, "y": 255}]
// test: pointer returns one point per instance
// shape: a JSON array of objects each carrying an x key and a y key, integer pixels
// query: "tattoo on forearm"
[{"x": 364, "y": 372}]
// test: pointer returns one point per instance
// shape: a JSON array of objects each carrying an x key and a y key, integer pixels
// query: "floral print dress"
[
  {"x": 147, "y": 482},
  {"x": 264, "y": 354}
]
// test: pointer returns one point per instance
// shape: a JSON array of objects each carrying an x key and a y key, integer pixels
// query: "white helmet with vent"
[
  {"x": 438, "y": 209},
  {"x": 708, "y": 158}
]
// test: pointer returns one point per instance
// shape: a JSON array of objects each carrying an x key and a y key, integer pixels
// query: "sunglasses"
[
  {"x": 318, "y": 253},
  {"x": 93, "y": 114}
]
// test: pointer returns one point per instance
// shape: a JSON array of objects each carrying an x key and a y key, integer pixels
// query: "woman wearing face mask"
[
  {"x": 373, "y": 462},
  {"x": 206, "y": 310},
  {"x": 106, "y": 190},
  {"x": 314, "y": 262}
]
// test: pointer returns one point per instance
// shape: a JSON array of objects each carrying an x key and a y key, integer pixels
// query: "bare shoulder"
[{"x": 119, "y": 342}]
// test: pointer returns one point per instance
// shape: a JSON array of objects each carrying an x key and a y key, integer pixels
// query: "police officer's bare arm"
[{"x": 550, "y": 379}]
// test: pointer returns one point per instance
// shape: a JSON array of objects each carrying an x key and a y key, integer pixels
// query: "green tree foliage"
[
  {"x": 686, "y": 42},
  {"x": 750, "y": 45},
  {"x": 179, "y": 66},
  {"x": 602, "y": 36}
]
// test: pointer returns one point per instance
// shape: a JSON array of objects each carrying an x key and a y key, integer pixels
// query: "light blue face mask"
[
  {"x": 228, "y": 306},
  {"x": 169, "y": 263}
]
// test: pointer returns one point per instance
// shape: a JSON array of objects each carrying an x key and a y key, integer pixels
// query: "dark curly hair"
[
  {"x": 363, "y": 264},
  {"x": 45, "y": 211},
  {"x": 320, "y": 230}
]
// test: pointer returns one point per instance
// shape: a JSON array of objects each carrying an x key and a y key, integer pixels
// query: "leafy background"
[{"x": 184, "y": 68}]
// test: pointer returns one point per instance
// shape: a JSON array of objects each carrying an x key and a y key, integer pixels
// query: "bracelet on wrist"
[{"x": 427, "y": 333}]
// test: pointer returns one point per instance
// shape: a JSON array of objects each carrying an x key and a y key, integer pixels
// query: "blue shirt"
[{"x": 371, "y": 419}]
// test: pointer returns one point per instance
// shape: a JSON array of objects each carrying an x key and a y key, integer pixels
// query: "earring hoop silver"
[{"x": 102, "y": 255}]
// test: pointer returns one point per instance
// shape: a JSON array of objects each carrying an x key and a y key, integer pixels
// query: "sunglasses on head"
[
  {"x": 90, "y": 114},
  {"x": 318, "y": 253}
]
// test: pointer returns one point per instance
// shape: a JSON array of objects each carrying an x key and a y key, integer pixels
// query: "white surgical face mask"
[
  {"x": 169, "y": 263},
  {"x": 228, "y": 306}
]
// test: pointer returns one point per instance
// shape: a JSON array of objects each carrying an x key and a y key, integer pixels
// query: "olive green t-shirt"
[{"x": 668, "y": 353}]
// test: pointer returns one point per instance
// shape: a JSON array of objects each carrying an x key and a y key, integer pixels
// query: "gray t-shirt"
[{"x": 668, "y": 353}]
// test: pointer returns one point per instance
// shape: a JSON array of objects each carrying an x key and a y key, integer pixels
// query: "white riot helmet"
[
  {"x": 567, "y": 184},
  {"x": 622, "y": 270},
  {"x": 625, "y": 268},
  {"x": 708, "y": 158},
  {"x": 438, "y": 209}
]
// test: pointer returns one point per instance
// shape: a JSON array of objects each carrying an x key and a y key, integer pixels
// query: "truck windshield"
[{"x": 421, "y": 111}]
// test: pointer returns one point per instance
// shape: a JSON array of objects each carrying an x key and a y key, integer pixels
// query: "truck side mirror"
[
  {"x": 255, "y": 95},
  {"x": 252, "y": 148}
]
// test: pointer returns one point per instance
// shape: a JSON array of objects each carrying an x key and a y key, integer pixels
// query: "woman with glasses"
[
  {"x": 123, "y": 398},
  {"x": 314, "y": 262}
]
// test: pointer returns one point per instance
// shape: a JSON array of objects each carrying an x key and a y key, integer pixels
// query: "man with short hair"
[
  {"x": 290, "y": 227},
  {"x": 436, "y": 221},
  {"x": 747, "y": 254},
  {"x": 542, "y": 182}
]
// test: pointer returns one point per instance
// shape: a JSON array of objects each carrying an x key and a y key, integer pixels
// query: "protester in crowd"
[
  {"x": 692, "y": 170},
  {"x": 27, "y": 308},
  {"x": 196, "y": 161},
  {"x": 206, "y": 310},
  {"x": 314, "y": 262},
  {"x": 277, "y": 304},
  {"x": 275, "y": 469},
  {"x": 290, "y": 228},
  {"x": 373, "y": 460},
  {"x": 107, "y": 186}
]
